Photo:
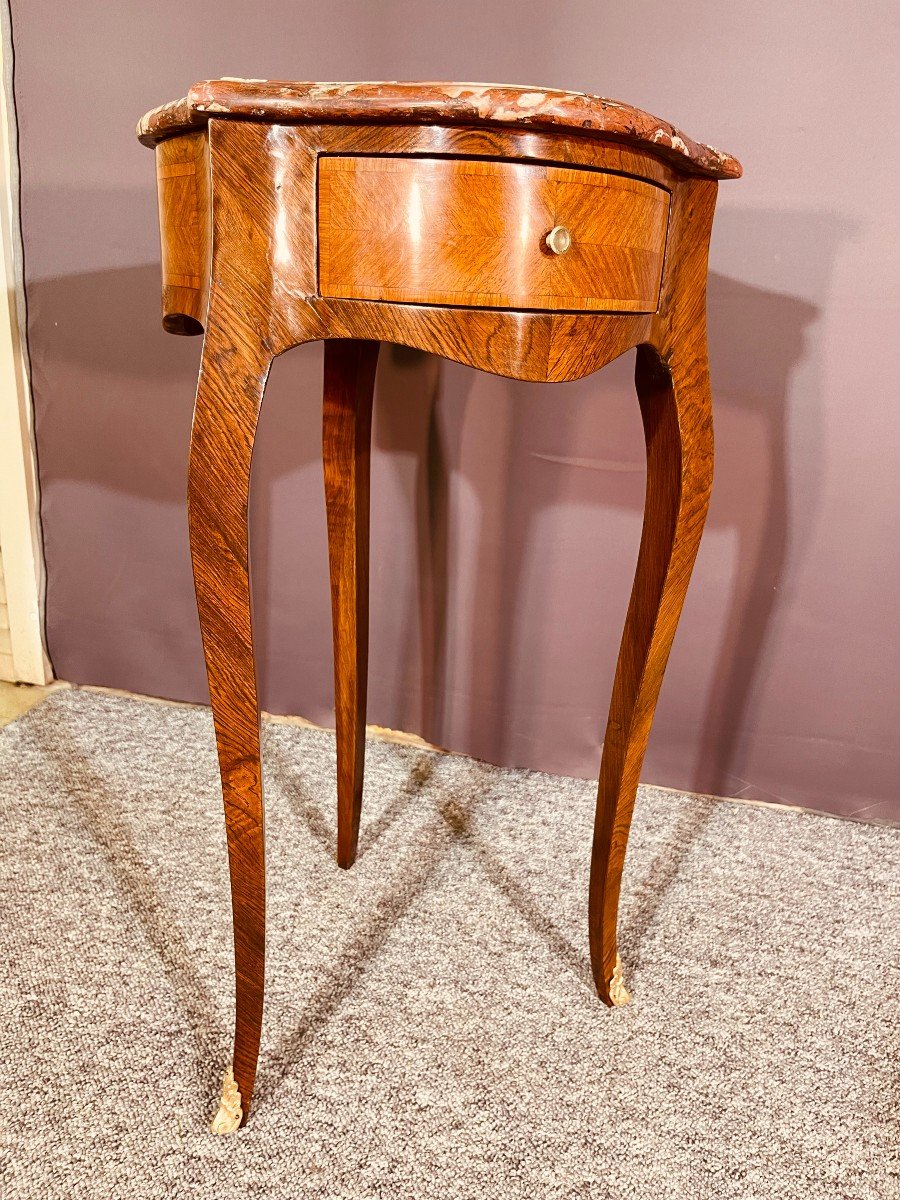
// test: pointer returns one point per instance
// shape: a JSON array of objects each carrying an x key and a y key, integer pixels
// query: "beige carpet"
[{"x": 431, "y": 1028}]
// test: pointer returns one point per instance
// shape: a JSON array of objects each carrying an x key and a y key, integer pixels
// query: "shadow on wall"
[
  {"x": 113, "y": 398},
  {"x": 769, "y": 491},
  {"x": 758, "y": 340}
]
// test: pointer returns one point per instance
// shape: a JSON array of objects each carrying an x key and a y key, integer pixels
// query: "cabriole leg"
[
  {"x": 346, "y": 439},
  {"x": 233, "y": 375},
  {"x": 677, "y": 417}
]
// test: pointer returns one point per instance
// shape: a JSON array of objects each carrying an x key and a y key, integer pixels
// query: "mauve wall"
[{"x": 506, "y": 516}]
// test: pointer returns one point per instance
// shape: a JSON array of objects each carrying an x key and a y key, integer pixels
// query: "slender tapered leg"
[
  {"x": 677, "y": 416},
  {"x": 346, "y": 440},
  {"x": 232, "y": 380}
]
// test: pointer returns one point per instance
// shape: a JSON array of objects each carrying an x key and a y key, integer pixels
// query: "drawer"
[{"x": 474, "y": 232}]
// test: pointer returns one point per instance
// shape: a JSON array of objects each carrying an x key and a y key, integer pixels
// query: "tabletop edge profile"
[{"x": 434, "y": 103}]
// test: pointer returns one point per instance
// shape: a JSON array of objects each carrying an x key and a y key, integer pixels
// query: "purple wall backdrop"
[{"x": 506, "y": 515}]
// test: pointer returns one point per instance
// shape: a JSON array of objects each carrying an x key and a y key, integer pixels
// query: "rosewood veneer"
[{"x": 536, "y": 234}]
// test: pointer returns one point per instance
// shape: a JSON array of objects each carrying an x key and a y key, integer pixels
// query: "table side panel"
[{"x": 182, "y": 173}]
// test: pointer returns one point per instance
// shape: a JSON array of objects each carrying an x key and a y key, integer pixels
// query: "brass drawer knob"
[{"x": 558, "y": 240}]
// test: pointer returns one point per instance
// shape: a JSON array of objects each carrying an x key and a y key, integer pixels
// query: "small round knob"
[{"x": 558, "y": 240}]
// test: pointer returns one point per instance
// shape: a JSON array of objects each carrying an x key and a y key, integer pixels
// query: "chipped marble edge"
[{"x": 503, "y": 104}]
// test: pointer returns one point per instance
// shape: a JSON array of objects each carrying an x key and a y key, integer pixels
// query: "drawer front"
[{"x": 474, "y": 233}]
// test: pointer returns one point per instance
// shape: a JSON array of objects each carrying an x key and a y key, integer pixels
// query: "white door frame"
[{"x": 20, "y": 532}]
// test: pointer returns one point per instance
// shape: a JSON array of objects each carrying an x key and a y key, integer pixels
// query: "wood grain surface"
[
  {"x": 233, "y": 373},
  {"x": 261, "y": 296},
  {"x": 182, "y": 173},
  {"x": 346, "y": 439},
  {"x": 472, "y": 232},
  {"x": 672, "y": 383}
]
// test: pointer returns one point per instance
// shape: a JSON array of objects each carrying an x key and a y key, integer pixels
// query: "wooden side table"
[{"x": 536, "y": 234}]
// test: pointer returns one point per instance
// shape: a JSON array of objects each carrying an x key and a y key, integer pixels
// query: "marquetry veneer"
[
  {"x": 532, "y": 233},
  {"x": 471, "y": 232}
]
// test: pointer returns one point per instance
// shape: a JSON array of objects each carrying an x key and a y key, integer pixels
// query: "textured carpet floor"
[{"x": 431, "y": 1027}]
